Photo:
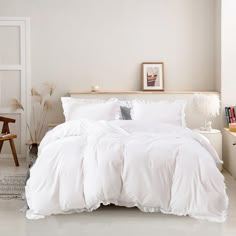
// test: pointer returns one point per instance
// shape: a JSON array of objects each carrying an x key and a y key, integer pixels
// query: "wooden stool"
[{"x": 10, "y": 137}]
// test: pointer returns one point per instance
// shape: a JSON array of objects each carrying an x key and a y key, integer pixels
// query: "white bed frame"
[{"x": 193, "y": 119}]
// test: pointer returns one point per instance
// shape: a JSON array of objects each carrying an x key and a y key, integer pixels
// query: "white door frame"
[{"x": 25, "y": 75}]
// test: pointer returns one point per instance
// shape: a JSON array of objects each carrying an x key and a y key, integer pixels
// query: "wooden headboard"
[{"x": 193, "y": 119}]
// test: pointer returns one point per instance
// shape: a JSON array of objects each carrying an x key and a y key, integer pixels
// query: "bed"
[{"x": 151, "y": 161}]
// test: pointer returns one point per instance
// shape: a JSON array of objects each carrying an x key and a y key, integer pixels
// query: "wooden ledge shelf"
[{"x": 143, "y": 92}]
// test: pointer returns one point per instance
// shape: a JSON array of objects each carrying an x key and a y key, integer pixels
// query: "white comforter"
[{"x": 155, "y": 167}]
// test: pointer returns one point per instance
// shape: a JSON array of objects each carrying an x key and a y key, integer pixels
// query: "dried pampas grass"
[
  {"x": 41, "y": 105},
  {"x": 50, "y": 88},
  {"x": 34, "y": 92},
  {"x": 48, "y": 105},
  {"x": 37, "y": 95},
  {"x": 16, "y": 105}
]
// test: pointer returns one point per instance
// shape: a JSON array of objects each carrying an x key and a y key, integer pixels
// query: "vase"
[{"x": 33, "y": 153}]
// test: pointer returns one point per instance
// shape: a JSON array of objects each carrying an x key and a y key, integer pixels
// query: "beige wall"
[
  {"x": 78, "y": 43},
  {"x": 218, "y": 45}
]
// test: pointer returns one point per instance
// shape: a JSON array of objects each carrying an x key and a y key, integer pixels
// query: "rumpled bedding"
[{"x": 155, "y": 167}]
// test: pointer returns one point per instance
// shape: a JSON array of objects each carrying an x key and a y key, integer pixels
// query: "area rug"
[{"x": 12, "y": 185}]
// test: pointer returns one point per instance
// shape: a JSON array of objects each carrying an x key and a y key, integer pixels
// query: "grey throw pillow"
[{"x": 125, "y": 113}]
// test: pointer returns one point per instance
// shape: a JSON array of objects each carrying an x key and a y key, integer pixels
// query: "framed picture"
[{"x": 153, "y": 76}]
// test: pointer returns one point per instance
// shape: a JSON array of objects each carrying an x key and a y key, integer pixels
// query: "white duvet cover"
[{"x": 155, "y": 167}]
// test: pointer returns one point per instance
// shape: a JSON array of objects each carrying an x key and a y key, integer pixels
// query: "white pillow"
[
  {"x": 164, "y": 112},
  {"x": 91, "y": 109}
]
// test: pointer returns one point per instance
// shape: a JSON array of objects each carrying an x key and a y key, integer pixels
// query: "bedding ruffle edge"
[{"x": 220, "y": 219}]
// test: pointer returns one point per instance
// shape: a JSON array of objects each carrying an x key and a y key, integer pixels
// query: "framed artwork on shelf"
[{"x": 153, "y": 76}]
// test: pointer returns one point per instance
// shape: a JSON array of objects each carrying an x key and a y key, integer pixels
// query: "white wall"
[
  {"x": 228, "y": 78},
  {"x": 78, "y": 43},
  {"x": 228, "y": 53}
]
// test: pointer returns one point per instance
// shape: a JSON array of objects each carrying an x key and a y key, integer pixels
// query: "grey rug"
[{"x": 12, "y": 185}]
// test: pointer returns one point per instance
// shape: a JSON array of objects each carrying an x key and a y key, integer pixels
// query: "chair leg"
[
  {"x": 13, "y": 150},
  {"x": 1, "y": 143}
]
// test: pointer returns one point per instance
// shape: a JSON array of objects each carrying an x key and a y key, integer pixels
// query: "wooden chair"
[{"x": 10, "y": 137}]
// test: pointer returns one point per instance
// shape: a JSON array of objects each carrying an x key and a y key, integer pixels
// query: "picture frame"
[{"x": 153, "y": 76}]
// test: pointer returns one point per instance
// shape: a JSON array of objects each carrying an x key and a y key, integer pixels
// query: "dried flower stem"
[
  {"x": 41, "y": 103},
  {"x": 31, "y": 137},
  {"x": 41, "y": 129},
  {"x": 34, "y": 120}
]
